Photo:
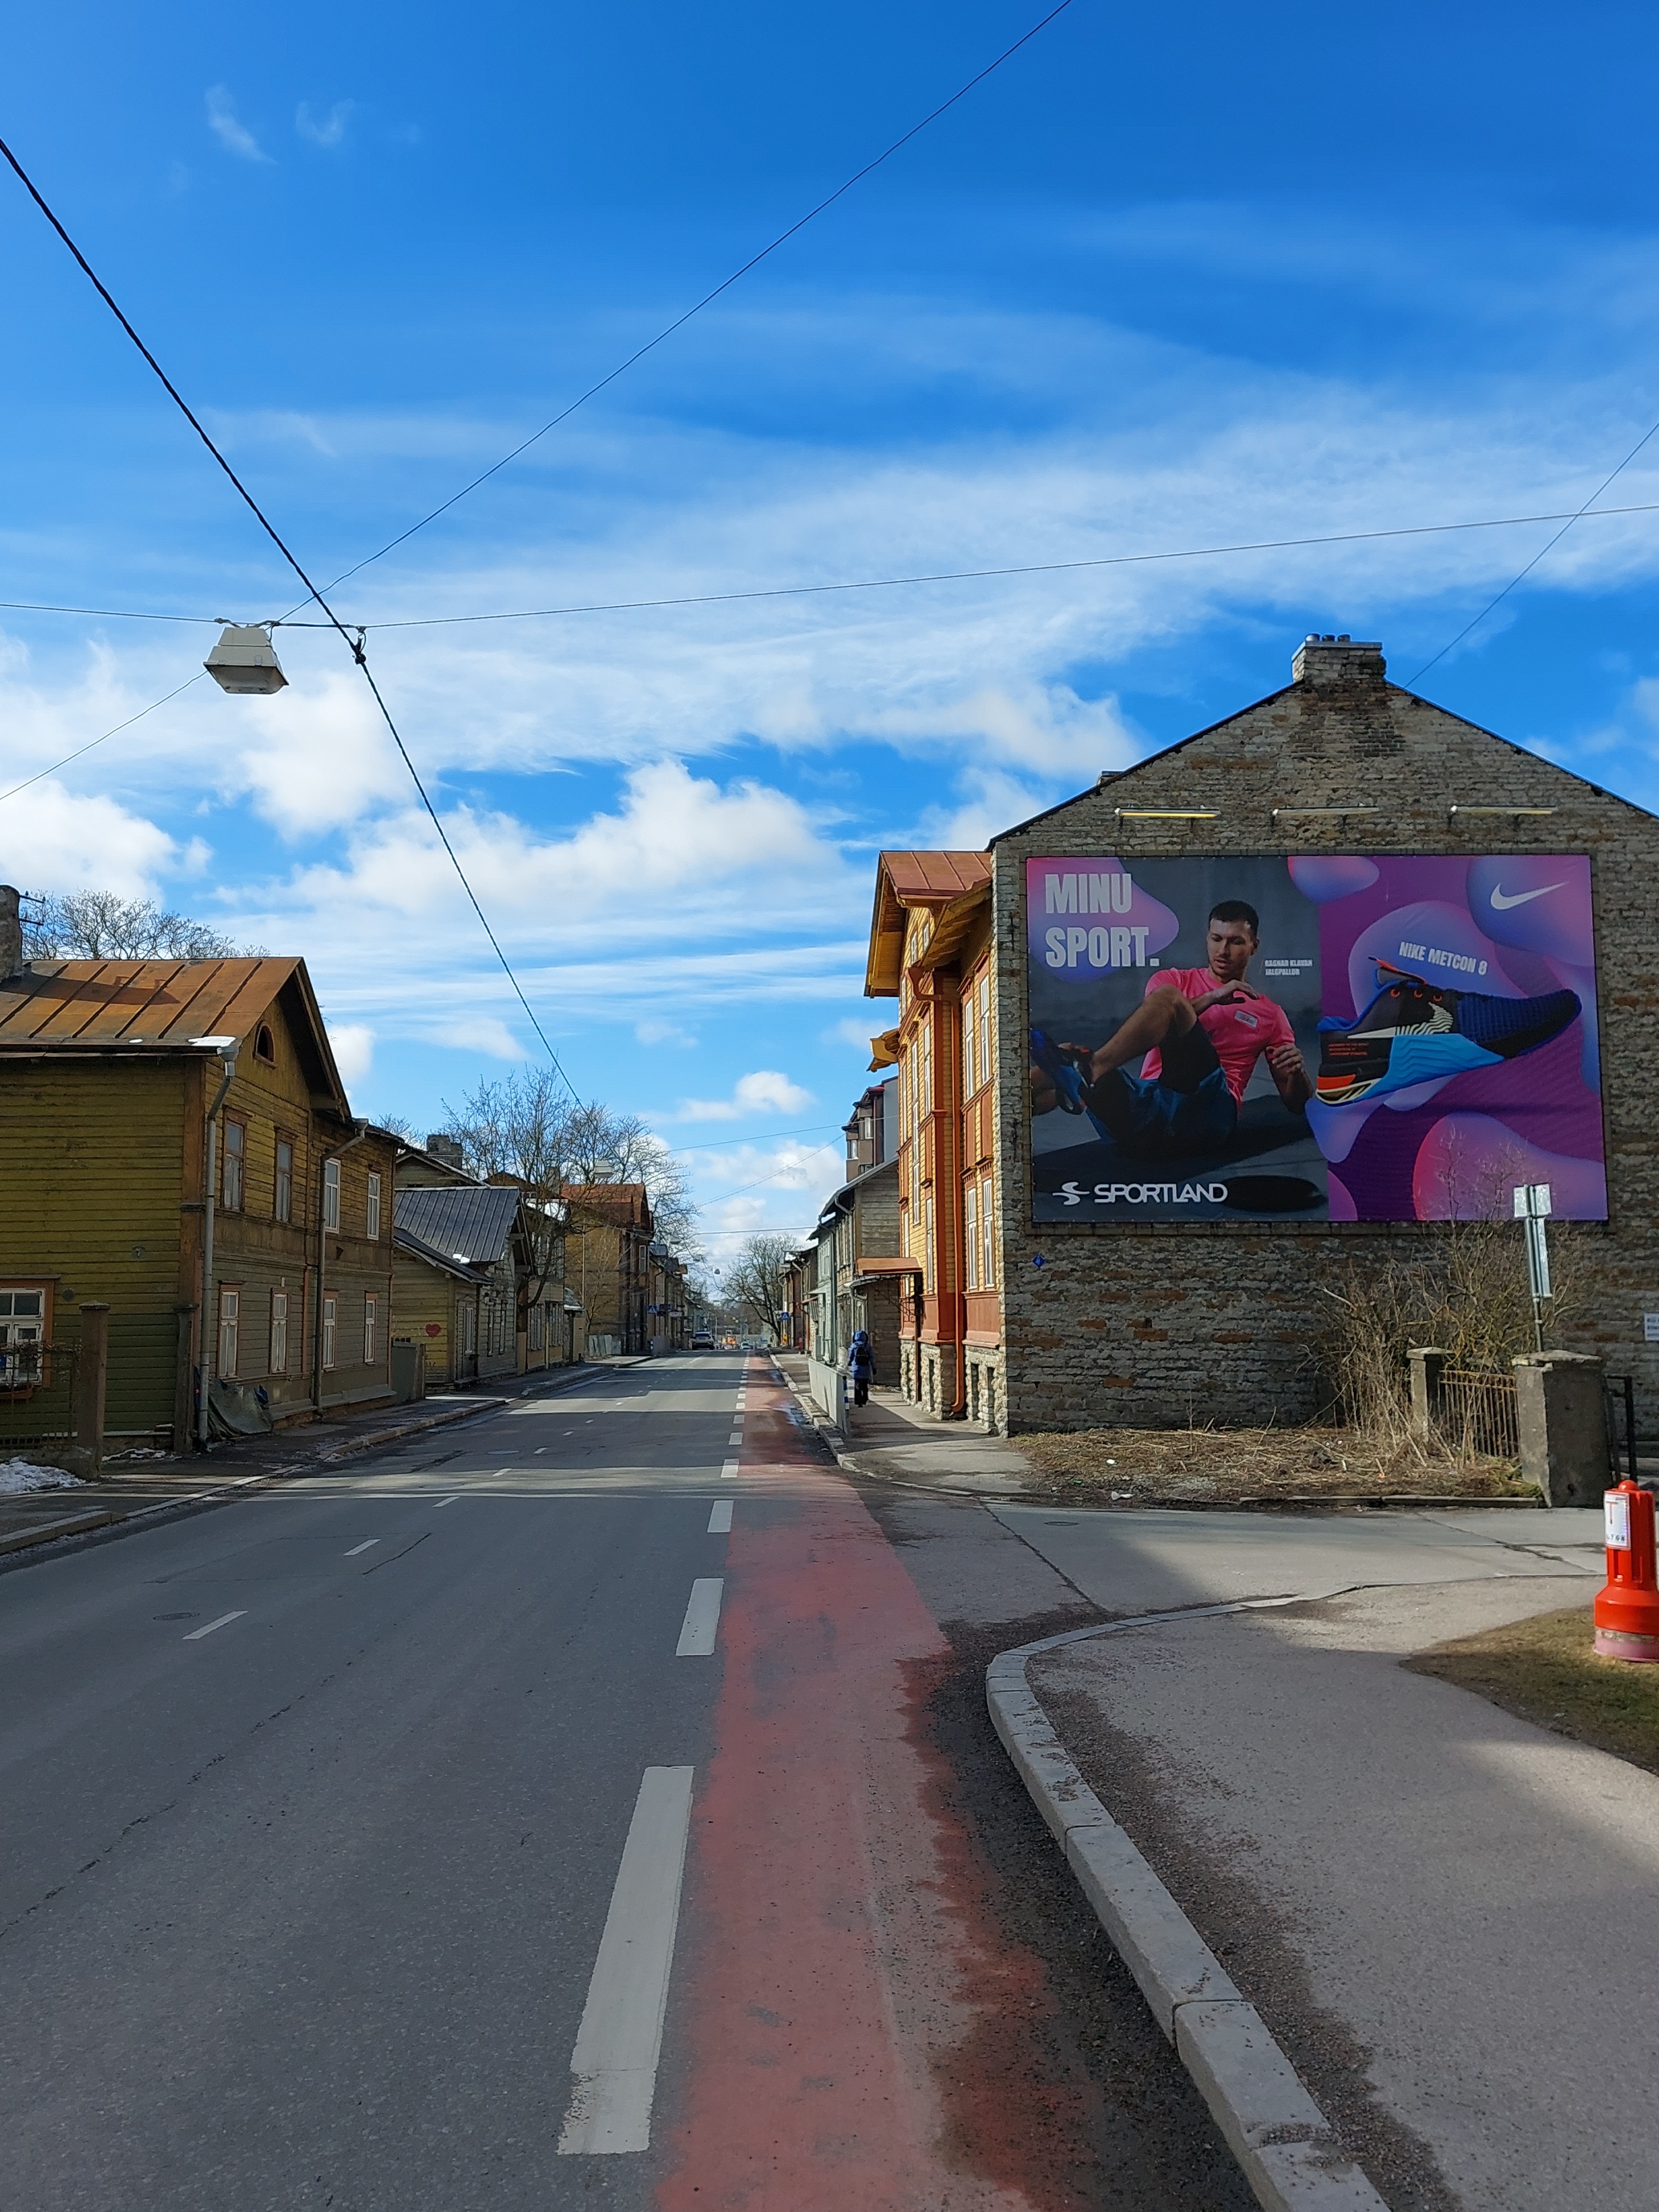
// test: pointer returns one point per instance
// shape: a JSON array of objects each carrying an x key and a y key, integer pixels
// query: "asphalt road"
[{"x": 584, "y": 1808}]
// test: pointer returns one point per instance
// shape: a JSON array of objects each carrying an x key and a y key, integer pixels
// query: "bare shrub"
[{"x": 1467, "y": 1295}]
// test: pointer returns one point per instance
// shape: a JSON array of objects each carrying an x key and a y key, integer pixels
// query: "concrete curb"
[
  {"x": 1282, "y": 2141},
  {"x": 849, "y": 1464}
]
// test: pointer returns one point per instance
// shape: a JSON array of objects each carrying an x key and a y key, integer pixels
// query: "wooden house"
[
  {"x": 607, "y": 1263},
  {"x": 151, "y": 1110}
]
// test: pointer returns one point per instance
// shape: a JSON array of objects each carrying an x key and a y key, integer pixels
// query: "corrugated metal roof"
[
  {"x": 93, "y": 1002},
  {"x": 470, "y": 1222}
]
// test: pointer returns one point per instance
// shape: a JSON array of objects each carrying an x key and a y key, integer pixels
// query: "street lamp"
[{"x": 243, "y": 662}]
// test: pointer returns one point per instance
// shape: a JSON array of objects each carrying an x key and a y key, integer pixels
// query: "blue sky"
[{"x": 1163, "y": 281}]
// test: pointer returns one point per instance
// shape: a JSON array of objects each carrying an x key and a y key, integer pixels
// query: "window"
[
  {"x": 230, "y": 1330},
  {"x": 330, "y": 1193},
  {"x": 279, "y": 1331},
  {"x": 985, "y": 1027},
  {"x": 330, "y": 1307},
  {"x": 283, "y": 1207},
  {"x": 264, "y": 1045},
  {"x": 469, "y": 1329},
  {"x": 371, "y": 1325},
  {"x": 235, "y": 1157},
  {"x": 372, "y": 1212},
  {"x": 22, "y": 1332},
  {"x": 931, "y": 1279},
  {"x": 969, "y": 1086},
  {"x": 971, "y": 1233},
  {"x": 537, "y": 1327},
  {"x": 926, "y": 1101},
  {"x": 988, "y": 1263}
]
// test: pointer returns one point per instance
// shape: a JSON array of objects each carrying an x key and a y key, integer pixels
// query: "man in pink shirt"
[{"x": 1198, "y": 1034}]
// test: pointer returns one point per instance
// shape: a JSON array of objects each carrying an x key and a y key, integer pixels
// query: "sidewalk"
[
  {"x": 137, "y": 1488},
  {"x": 1442, "y": 1914},
  {"x": 893, "y": 1442}
]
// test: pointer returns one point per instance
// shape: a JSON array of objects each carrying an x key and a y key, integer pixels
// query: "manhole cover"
[{"x": 175, "y": 1616}]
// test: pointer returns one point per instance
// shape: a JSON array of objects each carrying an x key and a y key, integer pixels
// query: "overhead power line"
[
  {"x": 897, "y": 583},
  {"x": 1579, "y": 515},
  {"x": 355, "y": 646},
  {"x": 709, "y": 298},
  {"x": 40, "y": 775}
]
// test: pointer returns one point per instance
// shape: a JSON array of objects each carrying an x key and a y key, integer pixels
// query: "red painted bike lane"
[{"x": 847, "y": 2014}]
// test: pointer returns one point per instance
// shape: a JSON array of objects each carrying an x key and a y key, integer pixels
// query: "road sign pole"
[{"x": 1532, "y": 1208}]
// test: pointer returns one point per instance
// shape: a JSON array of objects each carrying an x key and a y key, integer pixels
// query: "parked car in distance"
[{"x": 701, "y": 1340}]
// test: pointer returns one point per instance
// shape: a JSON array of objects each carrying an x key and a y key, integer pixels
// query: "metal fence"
[
  {"x": 37, "y": 1395},
  {"x": 1621, "y": 1426},
  {"x": 1477, "y": 1413}
]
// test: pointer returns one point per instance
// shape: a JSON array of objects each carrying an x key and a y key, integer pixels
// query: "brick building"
[{"x": 1097, "y": 1318}]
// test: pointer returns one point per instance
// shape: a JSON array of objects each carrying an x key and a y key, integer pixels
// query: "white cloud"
[
  {"x": 323, "y": 131},
  {"x": 656, "y": 1032},
  {"x": 313, "y": 757},
  {"x": 765, "y": 1091},
  {"x": 354, "y": 1050},
  {"x": 855, "y": 1032},
  {"x": 234, "y": 136},
  {"x": 480, "y": 1033},
  {"x": 53, "y": 840}
]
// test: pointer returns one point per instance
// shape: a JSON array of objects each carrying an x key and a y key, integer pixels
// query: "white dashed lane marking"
[
  {"x": 613, "y": 2064},
  {"x": 363, "y": 1546},
  {"x": 197, "y": 1634},
  {"x": 703, "y": 1618},
  {"x": 719, "y": 1517}
]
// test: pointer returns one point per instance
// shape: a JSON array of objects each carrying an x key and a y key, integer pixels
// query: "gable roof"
[
  {"x": 166, "y": 1006},
  {"x": 469, "y": 1223},
  {"x": 939, "y": 881},
  {"x": 624, "y": 1203}
]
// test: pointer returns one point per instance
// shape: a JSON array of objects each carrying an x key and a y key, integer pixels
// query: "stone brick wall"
[{"x": 1149, "y": 1323}]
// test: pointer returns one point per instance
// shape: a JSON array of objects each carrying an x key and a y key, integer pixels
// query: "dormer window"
[{"x": 264, "y": 1045}]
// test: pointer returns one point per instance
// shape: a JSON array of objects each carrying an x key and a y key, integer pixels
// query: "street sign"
[{"x": 1532, "y": 1206}]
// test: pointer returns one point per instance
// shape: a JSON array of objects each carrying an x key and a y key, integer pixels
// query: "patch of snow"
[{"x": 17, "y": 1475}]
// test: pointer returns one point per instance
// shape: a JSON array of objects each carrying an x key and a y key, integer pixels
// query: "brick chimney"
[
  {"x": 11, "y": 932},
  {"x": 1344, "y": 659}
]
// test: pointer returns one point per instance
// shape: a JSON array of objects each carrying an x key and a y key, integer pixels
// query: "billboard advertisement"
[{"x": 1316, "y": 1037}]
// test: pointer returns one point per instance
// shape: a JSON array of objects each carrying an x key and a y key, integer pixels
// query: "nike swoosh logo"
[{"x": 1520, "y": 898}]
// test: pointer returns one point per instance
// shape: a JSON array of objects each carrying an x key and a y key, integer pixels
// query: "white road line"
[
  {"x": 366, "y": 1543},
  {"x": 719, "y": 1517},
  {"x": 614, "y": 2064},
  {"x": 736, "y": 1437},
  {"x": 501, "y": 1471},
  {"x": 448, "y": 1501},
  {"x": 703, "y": 1618},
  {"x": 197, "y": 1634},
  {"x": 728, "y": 1473}
]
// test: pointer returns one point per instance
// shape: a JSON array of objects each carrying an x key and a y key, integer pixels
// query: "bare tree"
[
  {"x": 517, "y": 1130},
  {"x": 754, "y": 1279},
  {"x": 606, "y": 1147},
  {"x": 98, "y": 925}
]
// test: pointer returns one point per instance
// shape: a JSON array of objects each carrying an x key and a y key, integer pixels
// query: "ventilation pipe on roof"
[{"x": 11, "y": 931}]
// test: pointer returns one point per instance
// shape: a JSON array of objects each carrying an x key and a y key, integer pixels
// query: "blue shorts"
[{"x": 1148, "y": 1116}]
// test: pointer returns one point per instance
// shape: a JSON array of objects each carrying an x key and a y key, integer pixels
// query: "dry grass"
[
  {"x": 1212, "y": 1465},
  {"x": 1546, "y": 1670}
]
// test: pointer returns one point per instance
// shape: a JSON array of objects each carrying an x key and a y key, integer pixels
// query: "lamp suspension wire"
[{"x": 355, "y": 645}]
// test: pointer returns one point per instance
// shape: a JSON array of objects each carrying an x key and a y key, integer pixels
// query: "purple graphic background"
[{"x": 1456, "y": 1148}]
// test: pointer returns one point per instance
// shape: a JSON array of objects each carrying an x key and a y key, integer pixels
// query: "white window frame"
[
  {"x": 279, "y": 1331},
  {"x": 22, "y": 1336},
  {"x": 331, "y": 1195},
  {"x": 331, "y": 1328},
  {"x": 371, "y": 1207},
  {"x": 371, "y": 1327},
  {"x": 987, "y": 1236},
  {"x": 230, "y": 1330},
  {"x": 970, "y": 1239},
  {"x": 282, "y": 1191}
]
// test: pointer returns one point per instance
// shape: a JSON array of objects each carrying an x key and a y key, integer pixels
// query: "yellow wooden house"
[{"x": 177, "y": 1145}]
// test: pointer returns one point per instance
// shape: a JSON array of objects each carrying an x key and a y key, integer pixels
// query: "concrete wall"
[{"x": 1145, "y": 1323}]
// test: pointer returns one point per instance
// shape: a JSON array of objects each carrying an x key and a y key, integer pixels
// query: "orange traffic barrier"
[{"x": 1627, "y": 1610}]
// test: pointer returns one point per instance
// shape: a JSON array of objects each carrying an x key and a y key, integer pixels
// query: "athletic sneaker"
[
  {"x": 1062, "y": 1070},
  {"x": 1415, "y": 1031}
]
